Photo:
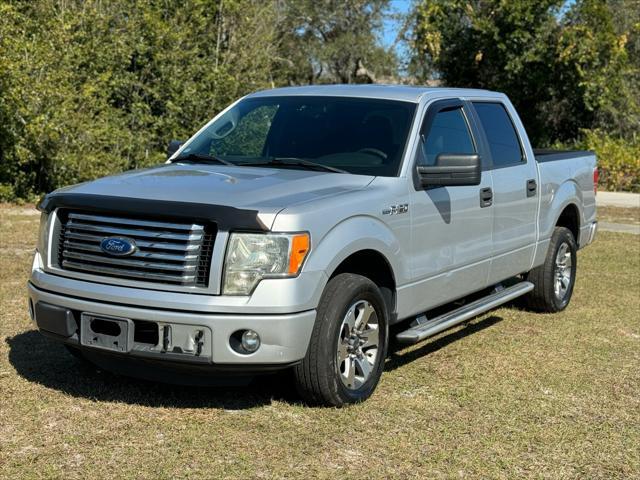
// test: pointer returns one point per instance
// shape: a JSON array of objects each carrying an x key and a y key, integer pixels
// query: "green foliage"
[
  {"x": 493, "y": 44},
  {"x": 594, "y": 86},
  {"x": 564, "y": 70},
  {"x": 618, "y": 159},
  {"x": 90, "y": 88}
]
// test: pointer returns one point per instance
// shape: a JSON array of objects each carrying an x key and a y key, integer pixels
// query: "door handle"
[
  {"x": 486, "y": 197},
  {"x": 532, "y": 186}
]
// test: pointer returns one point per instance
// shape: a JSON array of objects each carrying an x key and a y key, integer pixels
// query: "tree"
[
  {"x": 594, "y": 75},
  {"x": 489, "y": 44},
  {"x": 324, "y": 41},
  {"x": 564, "y": 70},
  {"x": 90, "y": 88}
]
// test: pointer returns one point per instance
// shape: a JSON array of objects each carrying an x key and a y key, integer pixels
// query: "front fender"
[{"x": 362, "y": 232}]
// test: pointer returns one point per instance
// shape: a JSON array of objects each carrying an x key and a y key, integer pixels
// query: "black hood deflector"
[{"x": 227, "y": 218}]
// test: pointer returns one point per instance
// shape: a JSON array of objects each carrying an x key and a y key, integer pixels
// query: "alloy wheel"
[{"x": 358, "y": 344}]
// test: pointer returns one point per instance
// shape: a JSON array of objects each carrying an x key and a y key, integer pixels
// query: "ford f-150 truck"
[{"x": 299, "y": 225}]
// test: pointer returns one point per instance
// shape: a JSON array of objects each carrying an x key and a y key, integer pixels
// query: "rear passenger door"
[{"x": 515, "y": 191}]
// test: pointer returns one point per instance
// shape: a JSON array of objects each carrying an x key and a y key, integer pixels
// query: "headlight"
[
  {"x": 254, "y": 256},
  {"x": 43, "y": 234}
]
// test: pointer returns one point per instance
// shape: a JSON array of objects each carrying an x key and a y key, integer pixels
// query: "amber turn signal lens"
[{"x": 299, "y": 250}]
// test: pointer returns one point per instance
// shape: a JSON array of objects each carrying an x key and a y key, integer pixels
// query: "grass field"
[
  {"x": 630, "y": 216},
  {"x": 511, "y": 395}
]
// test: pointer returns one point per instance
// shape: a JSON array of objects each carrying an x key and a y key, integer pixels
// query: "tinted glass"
[
  {"x": 449, "y": 133},
  {"x": 501, "y": 134},
  {"x": 248, "y": 137},
  {"x": 361, "y": 136}
]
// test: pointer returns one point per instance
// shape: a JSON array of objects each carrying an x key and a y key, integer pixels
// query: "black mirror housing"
[
  {"x": 451, "y": 169},
  {"x": 173, "y": 147}
]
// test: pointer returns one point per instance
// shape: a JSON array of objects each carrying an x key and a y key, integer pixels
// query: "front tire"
[
  {"x": 554, "y": 280},
  {"x": 348, "y": 346}
]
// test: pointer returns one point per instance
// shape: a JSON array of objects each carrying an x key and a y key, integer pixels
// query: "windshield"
[{"x": 360, "y": 136}]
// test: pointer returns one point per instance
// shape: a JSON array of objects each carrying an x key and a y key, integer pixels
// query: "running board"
[{"x": 443, "y": 322}]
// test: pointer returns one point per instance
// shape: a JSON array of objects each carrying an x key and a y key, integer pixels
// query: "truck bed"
[
  {"x": 551, "y": 155},
  {"x": 565, "y": 174}
]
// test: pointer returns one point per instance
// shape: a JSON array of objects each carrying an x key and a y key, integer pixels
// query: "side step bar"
[{"x": 429, "y": 328}]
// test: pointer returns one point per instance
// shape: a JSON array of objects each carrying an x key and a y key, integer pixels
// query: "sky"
[{"x": 390, "y": 27}]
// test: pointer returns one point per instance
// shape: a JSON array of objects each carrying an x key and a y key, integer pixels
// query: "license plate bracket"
[{"x": 106, "y": 333}]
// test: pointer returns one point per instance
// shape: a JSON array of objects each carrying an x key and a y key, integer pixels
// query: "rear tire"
[
  {"x": 554, "y": 280},
  {"x": 348, "y": 345}
]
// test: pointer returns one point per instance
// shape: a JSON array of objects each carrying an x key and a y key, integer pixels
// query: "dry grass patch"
[
  {"x": 630, "y": 216},
  {"x": 513, "y": 394}
]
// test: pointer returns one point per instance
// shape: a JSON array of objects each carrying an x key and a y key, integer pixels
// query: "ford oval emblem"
[{"x": 118, "y": 246}]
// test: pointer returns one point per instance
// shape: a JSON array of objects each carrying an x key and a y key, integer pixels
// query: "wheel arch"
[
  {"x": 564, "y": 208},
  {"x": 375, "y": 266},
  {"x": 570, "y": 219},
  {"x": 362, "y": 245}
]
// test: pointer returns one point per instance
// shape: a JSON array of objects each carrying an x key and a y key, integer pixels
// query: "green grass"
[{"x": 511, "y": 395}]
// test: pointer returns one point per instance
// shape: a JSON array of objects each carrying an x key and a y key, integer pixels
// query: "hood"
[{"x": 266, "y": 190}]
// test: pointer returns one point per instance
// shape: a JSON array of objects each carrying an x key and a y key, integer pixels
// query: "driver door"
[{"x": 452, "y": 227}]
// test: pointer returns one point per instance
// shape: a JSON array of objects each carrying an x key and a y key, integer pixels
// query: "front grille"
[{"x": 167, "y": 252}]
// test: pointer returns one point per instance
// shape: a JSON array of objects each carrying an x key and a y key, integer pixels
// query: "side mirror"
[
  {"x": 173, "y": 147},
  {"x": 451, "y": 169}
]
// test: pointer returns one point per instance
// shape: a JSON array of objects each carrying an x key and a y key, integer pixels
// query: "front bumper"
[{"x": 284, "y": 337}]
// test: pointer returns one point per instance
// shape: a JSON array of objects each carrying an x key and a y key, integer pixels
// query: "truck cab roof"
[{"x": 406, "y": 93}]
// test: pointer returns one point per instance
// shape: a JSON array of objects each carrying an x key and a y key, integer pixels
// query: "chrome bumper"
[{"x": 588, "y": 234}]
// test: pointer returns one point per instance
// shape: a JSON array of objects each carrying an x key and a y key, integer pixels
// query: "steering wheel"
[{"x": 374, "y": 151}]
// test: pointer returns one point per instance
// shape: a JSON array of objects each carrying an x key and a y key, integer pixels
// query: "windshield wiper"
[
  {"x": 201, "y": 158},
  {"x": 295, "y": 162}
]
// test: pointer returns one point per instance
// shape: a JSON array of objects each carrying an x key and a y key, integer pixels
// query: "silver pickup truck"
[{"x": 300, "y": 224}]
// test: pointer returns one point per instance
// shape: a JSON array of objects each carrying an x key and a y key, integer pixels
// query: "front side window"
[
  {"x": 501, "y": 134},
  {"x": 357, "y": 135},
  {"x": 449, "y": 133}
]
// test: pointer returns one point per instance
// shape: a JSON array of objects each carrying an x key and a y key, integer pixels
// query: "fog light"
[{"x": 250, "y": 341}]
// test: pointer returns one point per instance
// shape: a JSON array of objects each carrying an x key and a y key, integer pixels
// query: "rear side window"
[
  {"x": 503, "y": 140},
  {"x": 449, "y": 133}
]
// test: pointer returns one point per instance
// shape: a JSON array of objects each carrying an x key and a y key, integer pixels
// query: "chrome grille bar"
[
  {"x": 116, "y": 272},
  {"x": 137, "y": 223},
  {"x": 189, "y": 247},
  {"x": 70, "y": 245},
  {"x": 108, "y": 230},
  {"x": 166, "y": 252},
  {"x": 125, "y": 262}
]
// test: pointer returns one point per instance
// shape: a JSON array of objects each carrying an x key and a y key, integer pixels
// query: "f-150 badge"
[{"x": 396, "y": 209}]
